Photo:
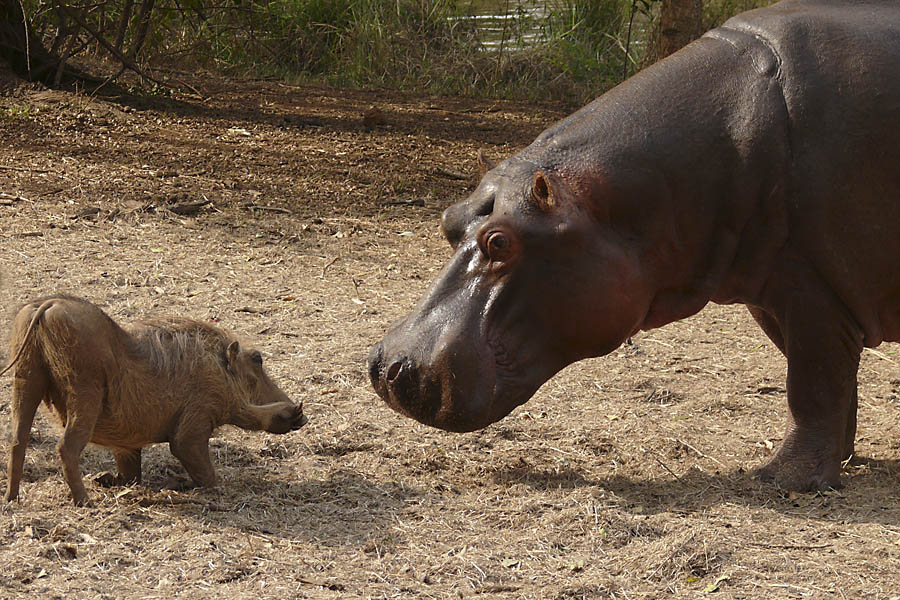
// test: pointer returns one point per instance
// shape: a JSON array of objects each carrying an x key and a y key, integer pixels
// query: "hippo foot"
[{"x": 801, "y": 474}]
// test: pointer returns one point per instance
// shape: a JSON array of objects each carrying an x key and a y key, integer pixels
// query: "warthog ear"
[
  {"x": 231, "y": 353},
  {"x": 484, "y": 163}
]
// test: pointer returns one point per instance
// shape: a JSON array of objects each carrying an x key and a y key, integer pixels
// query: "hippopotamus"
[{"x": 758, "y": 165}]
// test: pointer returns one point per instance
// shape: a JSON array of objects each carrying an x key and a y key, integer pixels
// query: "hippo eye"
[
  {"x": 498, "y": 246},
  {"x": 256, "y": 357}
]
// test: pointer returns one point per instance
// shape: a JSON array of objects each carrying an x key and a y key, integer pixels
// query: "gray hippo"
[{"x": 759, "y": 165}]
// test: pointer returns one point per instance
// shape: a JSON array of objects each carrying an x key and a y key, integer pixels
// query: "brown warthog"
[{"x": 171, "y": 380}]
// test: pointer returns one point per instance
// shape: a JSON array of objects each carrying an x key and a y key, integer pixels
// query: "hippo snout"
[
  {"x": 404, "y": 386},
  {"x": 375, "y": 363},
  {"x": 398, "y": 375}
]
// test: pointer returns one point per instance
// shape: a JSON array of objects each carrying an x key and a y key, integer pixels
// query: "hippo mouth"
[
  {"x": 401, "y": 385},
  {"x": 439, "y": 396}
]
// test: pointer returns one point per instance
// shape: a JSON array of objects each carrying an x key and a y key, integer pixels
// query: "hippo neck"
[{"x": 690, "y": 158}]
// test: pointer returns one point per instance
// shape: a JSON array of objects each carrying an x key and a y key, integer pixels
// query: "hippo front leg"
[{"x": 822, "y": 345}]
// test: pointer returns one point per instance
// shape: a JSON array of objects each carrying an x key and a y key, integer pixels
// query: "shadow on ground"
[{"x": 869, "y": 495}]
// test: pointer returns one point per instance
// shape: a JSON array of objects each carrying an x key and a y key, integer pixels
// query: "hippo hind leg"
[
  {"x": 771, "y": 328},
  {"x": 823, "y": 349}
]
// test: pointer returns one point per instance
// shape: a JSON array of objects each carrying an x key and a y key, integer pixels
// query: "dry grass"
[{"x": 623, "y": 478}]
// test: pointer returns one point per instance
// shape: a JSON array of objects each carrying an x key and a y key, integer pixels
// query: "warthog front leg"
[{"x": 190, "y": 445}]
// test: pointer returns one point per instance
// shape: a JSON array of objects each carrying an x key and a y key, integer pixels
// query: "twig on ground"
[
  {"x": 23, "y": 169},
  {"x": 330, "y": 262},
  {"x": 671, "y": 472},
  {"x": 447, "y": 172},
  {"x": 173, "y": 500},
  {"x": 880, "y": 355},
  {"x": 274, "y": 209},
  {"x": 790, "y": 546},
  {"x": 689, "y": 447}
]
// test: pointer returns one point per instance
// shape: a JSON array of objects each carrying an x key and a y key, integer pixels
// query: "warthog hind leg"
[
  {"x": 83, "y": 407},
  {"x": 27, "y": 395},
  {"x": 128, "y": 463}
]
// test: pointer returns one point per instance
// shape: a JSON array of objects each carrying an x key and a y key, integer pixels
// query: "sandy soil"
[{"x": 277, "y": 212}]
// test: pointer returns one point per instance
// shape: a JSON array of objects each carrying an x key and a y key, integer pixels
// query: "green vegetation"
[
  {"x": 16, "y": 113},
  {"x": 565, "y": 49}
]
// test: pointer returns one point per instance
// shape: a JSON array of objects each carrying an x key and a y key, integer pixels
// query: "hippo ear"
[
  {"x": 231, "y": 354},
  {"x": 484, "y": 163},
  {"x": 548, "y": 190}
]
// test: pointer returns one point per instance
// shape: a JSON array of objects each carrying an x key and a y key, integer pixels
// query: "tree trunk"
[
  {"x": 679, "y": 24},
  {"x": 28, "y": 58},
  {"x": 20, "y": 48}
]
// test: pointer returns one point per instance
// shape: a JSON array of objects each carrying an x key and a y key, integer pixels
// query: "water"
[{"x": 509, "y": 24}]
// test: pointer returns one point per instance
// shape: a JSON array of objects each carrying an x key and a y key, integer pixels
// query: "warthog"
[{"x": 170, "y": 380}]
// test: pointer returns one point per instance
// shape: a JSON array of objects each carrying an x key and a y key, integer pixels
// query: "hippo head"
[{"x": 538, "y": 279}]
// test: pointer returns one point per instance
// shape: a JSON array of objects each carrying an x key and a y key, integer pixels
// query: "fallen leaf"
[
  {"x": 714, "y": 586},
  {"x": 88, "y": 539}
]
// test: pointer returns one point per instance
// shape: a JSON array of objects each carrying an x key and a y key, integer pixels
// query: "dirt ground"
[{"x": 277, "y": 212}]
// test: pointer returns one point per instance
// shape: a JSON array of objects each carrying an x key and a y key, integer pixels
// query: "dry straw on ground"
[{"x": 308, "y": 233}]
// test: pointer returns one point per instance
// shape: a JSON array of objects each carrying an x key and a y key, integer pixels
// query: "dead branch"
[{"x": 127, "y": 62}]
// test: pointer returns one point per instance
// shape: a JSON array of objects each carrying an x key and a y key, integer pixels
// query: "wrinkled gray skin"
[{"x": 759, "y": 165}]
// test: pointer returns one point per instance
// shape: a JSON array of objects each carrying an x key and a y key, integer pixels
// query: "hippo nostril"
[{"x": 394, "y": 370}]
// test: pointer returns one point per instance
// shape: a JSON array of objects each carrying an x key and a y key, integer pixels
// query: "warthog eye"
[
  {"x": 498, "y": 246},
  {"x": 256, "y": 357}
]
